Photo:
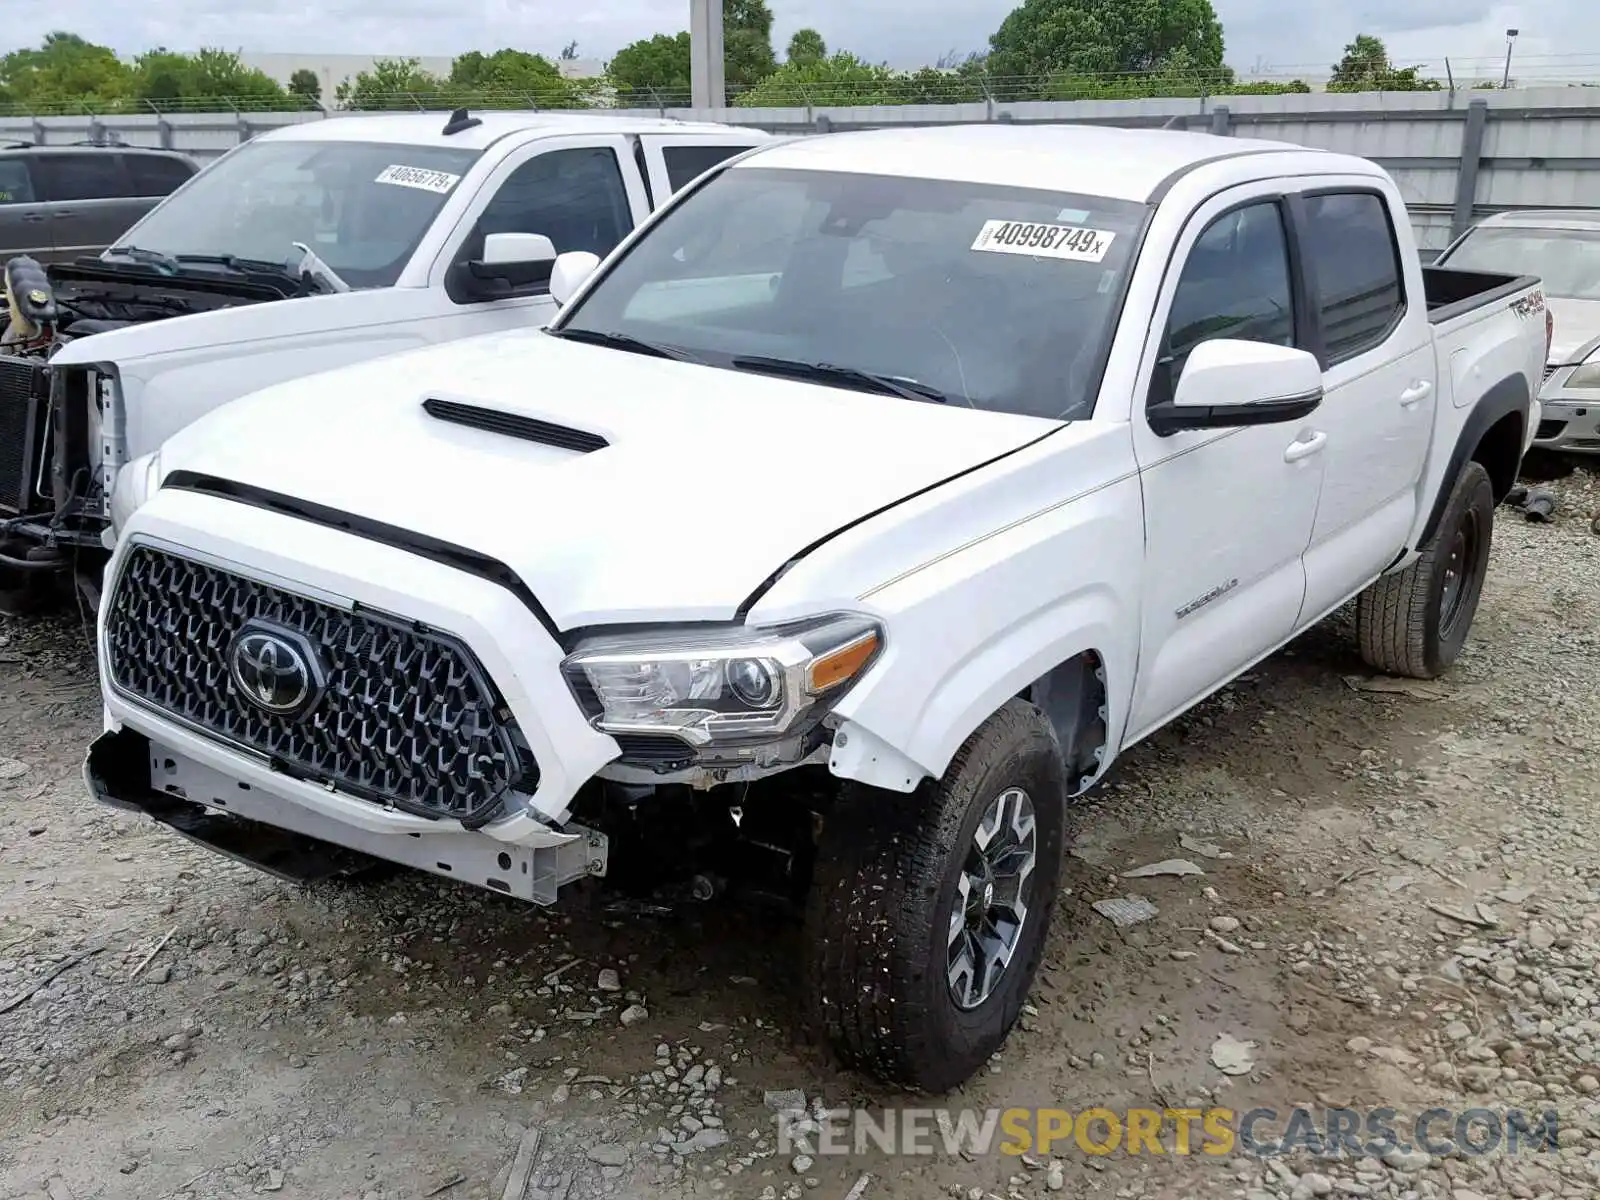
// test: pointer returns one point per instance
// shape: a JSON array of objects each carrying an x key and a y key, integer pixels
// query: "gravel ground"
[{"x": 1400, "y": 907}]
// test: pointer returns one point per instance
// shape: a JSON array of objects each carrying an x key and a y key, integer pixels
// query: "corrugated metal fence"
[{"x": 1456, "y": 155}]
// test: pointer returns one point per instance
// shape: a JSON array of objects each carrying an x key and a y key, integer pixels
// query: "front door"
[{"x": 1228, "y": 513}]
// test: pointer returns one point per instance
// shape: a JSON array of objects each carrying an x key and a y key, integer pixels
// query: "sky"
[{"x": 1558, "y": 38}]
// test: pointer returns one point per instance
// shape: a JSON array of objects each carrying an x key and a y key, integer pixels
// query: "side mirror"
[
  {"x": 569, "y": 273},
  {"x": 511, "y": 264},
  {"x": 1227, "y": 383}
]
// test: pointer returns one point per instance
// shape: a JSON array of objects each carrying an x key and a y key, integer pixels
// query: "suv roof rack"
[{"x": 460, "y": 120}]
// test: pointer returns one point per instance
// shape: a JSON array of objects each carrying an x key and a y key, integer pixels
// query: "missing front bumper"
[{"x": 275, "y": 834}]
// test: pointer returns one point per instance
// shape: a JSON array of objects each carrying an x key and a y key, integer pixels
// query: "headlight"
[
  {"x": 136, "y": 483},
  {"x": 1585, "y": 376},
  {"x": 736, "y": 684}
]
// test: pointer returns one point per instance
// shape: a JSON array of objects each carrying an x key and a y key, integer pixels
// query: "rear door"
[
  {"x": 1376, "y": 347},
  {"x": 24, "y": 217},
  {"x": 674, "y": 159},
  {"x": 92, "y": 203}
]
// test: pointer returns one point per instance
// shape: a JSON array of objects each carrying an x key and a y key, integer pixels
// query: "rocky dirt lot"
[{"x": 1399, "y": 906}]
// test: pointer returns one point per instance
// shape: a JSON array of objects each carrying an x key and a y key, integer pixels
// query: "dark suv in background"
[{"x": 59, "y": 202}]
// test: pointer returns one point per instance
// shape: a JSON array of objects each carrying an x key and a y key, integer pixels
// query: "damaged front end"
[{"x": 63, "y": 426}]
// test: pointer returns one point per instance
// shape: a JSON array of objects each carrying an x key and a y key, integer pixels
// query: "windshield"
[
  {"x": 1566, "y": 260},
  {"x": 1000, "y": 298},
  {"x": 362, "y": 207}
]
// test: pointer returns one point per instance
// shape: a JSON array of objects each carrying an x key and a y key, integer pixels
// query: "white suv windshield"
[
  {"x": 361, "y": 206},
  {"x": 1566, "y": 260},
  {"x": 999, "y": 298}
]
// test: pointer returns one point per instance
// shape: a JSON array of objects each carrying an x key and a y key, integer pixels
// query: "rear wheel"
[
  {"x": 928, "y": 914},
  {"x": 1415, "y": 621}
]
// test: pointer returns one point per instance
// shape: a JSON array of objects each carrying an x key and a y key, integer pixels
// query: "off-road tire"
[
  {"x": 1399, "y": 623},
  {"x": 878, "y": 914}
]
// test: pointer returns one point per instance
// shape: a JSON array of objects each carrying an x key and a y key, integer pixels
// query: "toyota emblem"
[{"x": 275, "y": 669}]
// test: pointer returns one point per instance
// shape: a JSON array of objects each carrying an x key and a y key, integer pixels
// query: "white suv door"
[
  {"x": 674, "y": 159},
  {"x": 1378, "y": 386},
  {"x": 1228, "y": 513}
]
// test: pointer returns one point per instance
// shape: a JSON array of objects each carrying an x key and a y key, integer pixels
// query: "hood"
[
  {"x": 1577, "y": 324},
  {"x": 709, "y": 481},
  {"x": 237, "y": 322}
]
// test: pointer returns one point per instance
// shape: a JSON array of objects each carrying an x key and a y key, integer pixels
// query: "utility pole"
[
  {"x": 705, "y": 54},
  {"x": 1511, "y": 38}
]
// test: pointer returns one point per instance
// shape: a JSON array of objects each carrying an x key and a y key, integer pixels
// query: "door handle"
[
  {"x": 33, "y": 218},
  {"x": 1415, "y": 392},
  {"x": 1305, "y": 447}
]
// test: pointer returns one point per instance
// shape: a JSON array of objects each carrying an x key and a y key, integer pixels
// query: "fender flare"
[{"x": 1509, "y": 396}]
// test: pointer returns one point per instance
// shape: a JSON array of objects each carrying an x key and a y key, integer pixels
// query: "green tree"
[
  {"x": 66, "y": 71},
  {"x": 658, "y": 64},
  {"x": 569, "y": 52},
  {"x": 392, "y": 83},
  {"x": 1099, "y": 38},
  {"x": 747, "y": 56},
  {"x": 1365, "y": 67},
  {"x": 207, "y": 77},
  {"x": 841, "y": 79},
  {"x": 806, "y": 47},
  {"x": 304, "y": 82},
  {"x": 512, "y": 79}
]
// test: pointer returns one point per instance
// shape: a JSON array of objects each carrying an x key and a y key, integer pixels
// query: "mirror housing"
[
  {"x": 1228, "y": 383},
  {"x": 509, "y": 264},
  {"x": 569, "y": 273}
]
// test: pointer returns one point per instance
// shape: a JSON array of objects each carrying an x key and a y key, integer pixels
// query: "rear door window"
[
  {"x": 81, "y": 176},
  {"x": 156, "y": 174},
  {"x": 687, "y": 163},
  {"x": 1355, "y": 263}
]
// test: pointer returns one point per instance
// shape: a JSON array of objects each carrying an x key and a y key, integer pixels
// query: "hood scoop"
[{"x": 529, "y": 429}]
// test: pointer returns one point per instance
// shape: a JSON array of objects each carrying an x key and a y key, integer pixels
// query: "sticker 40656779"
[{"x": 1037, "y": 239}]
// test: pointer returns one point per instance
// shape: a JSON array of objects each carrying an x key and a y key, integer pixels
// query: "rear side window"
[
  {"x": 686, "y": 163},
  {"x": 155, "y": 174},
  {"x": 80, "y": 176},
  {"x": 576, "y": 198},
  {"x": 15, "y": 185},
  {"x": 1356, "y": 265}
]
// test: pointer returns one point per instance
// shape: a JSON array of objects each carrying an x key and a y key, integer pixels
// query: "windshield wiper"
[
  {"x": 908, "y": 389},
  {"x": 139, "y": 254},
  {"x": 262, "y": 266},
  {"x": 624, "y": 341}
]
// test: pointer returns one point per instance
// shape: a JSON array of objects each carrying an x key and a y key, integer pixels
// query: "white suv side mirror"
[
  {"x": 571, "y": 269},
  {"x": 517, "y": 249},
  {"x": 1230, "y": 382}
]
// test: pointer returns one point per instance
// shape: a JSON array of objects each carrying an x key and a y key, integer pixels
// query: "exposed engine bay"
[{"x": 53, "y": 493}]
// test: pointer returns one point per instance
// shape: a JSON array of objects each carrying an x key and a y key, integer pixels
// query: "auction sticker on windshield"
[
  {"x": 418, "y": 177},
  {"x": 1039, "y": 240}
]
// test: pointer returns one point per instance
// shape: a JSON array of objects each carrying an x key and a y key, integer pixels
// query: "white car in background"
[
  {"x": 1562, "y": 247},
  {"x": 313, "y": 246}
]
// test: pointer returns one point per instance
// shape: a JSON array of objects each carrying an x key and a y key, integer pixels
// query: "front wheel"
[
  {"x": 1415, "y": 621},
  {"x": 928, "y": 912}
]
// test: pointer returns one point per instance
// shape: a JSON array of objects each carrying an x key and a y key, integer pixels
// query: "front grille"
[
  {"x": 24, "y": 392},
  {"x": 405, "y": 716}
]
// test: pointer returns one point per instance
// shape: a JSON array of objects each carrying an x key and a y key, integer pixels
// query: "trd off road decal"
[{"x": 1528, "y": 306}]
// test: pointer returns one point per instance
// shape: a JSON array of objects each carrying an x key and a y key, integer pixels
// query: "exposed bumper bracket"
[{"x": 125, "y": 770}]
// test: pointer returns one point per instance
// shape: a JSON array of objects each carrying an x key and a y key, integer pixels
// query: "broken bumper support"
[{"x": 126, "y": 770}]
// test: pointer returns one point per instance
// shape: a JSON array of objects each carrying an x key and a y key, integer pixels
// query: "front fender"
[{"x": 976, "y": 627}]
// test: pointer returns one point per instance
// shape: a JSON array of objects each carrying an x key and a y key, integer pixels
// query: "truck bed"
[{"x": 1452, "y": 293}]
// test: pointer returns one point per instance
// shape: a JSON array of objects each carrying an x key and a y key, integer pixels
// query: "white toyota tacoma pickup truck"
[
  {"x": 310, "y": 247},
  {"x": 849, "y": 519}
]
